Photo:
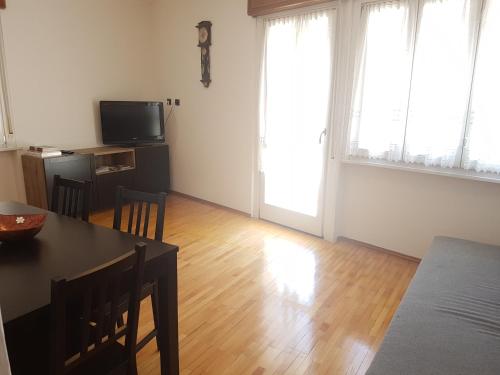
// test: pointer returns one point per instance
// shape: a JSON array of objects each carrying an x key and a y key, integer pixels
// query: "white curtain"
[
  {"x": 295, "y": 107},
  {"x": 440, "y": 88},
  {"x": 417, "y": 63},
  {"x": 382, "y": 78},
  {"x": 482, "y": 146}
]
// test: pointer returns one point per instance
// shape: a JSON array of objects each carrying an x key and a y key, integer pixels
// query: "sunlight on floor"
[
  {"x": 293, "y": 267},
  {"x": 259, "y": 298}
]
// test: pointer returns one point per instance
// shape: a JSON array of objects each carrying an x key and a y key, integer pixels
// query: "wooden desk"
[{"x": 66, "y": 247}]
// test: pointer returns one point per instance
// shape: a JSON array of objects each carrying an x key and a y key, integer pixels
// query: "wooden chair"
[
  {"x": 137, "y": 198},
  {"x": 97, "y": 292},
  {"x": 75, "y": 197}
]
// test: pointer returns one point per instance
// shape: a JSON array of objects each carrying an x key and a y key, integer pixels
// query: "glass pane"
[
  {"x": 441, "y": 81},
  {"x": 383, "y": 78},
  {"x": 296, "y": 109},
  {"x": 482, "y": 151}
]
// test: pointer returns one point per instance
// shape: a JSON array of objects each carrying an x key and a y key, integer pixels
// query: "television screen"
[{"x": 132, "y": 122}]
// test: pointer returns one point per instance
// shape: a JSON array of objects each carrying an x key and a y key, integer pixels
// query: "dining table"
[{"x": 66, "y": 247}]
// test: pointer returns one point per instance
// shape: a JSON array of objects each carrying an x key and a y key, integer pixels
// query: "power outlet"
[
  {"x": 169, "y": 101},
  {"x": 177, "y": 102}
]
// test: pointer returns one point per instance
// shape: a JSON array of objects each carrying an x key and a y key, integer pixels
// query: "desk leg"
[{"x": 168, "y": 325}]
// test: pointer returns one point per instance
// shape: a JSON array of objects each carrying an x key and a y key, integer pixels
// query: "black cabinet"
[
  {"x": 106, "y": 186},
  {"x": 73, "y": 167},
  {"x": 39, "y": 175},
  {"x": 152, "y": 169},
  {"x": 149, "y": 171},
  {"x": 144, "y": 168}
]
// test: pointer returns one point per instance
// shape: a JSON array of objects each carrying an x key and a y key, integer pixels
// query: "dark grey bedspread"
[{"x": 449, "y": 320}]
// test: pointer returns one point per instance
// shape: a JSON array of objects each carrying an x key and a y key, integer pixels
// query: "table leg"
[{"x": 168, "y": 318}]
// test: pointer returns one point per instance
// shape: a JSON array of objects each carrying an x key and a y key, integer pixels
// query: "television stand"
[
  {"x": 110, "y": 159},
  {"x": 143, "y": 168},
  {"x": 133, "y": 145}
]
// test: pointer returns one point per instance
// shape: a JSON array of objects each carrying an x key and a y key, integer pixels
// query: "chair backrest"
[
  {"x": 139, "y": 198},
  {"x": 70, "y": 197},
  {"x": 92, "y": 299}
]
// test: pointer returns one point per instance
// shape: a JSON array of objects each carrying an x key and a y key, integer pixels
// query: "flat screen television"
[{"x": 131, "y": 123}]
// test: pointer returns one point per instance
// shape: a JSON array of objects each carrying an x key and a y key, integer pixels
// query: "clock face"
[{"x": 203, "y": 35}]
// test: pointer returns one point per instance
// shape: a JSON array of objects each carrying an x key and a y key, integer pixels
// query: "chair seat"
[{"x": 146, "y": 291}]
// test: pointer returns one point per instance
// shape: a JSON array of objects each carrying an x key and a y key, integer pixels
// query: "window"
[
  {"x": 5, "y": 127},
  {"x": 425, "y": 75},
  {"x": 3, "y": 139},
  {"x": 482, "y": 149},
  {"x": 4, "y": 130}
]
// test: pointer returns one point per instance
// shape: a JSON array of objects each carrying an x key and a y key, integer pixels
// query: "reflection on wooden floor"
[{"x": 257, "y": 298}]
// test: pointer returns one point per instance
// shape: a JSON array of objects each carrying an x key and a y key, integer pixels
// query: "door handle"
[{"x": 321, "y": 135}]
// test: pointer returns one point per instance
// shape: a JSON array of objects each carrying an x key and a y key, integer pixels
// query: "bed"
[{"x": 449, "y": 320}]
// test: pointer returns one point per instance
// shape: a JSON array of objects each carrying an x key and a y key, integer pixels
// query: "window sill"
[
  {"x": 455, "y": 173},
  {"x": 9, "y": 147}
]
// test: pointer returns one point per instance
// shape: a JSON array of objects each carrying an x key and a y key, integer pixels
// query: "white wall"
[
  {"x": 63, "y": 56},
  {"x": 76, "y": 52},
  {"x": 403, "y": 211},
  {"x": 211, "y": 135}
]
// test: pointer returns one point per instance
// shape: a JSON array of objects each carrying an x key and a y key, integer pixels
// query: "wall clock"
[{"x": 204, "y": 42}]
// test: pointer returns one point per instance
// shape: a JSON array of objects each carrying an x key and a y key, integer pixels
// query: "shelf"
[
  {"x": 114, "y": 171},
  {"x": 119, "y": 158},
  {"x": 100, "y": 151}
]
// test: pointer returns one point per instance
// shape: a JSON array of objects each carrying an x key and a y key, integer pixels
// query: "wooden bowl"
[{"x": 20, "y": 227}]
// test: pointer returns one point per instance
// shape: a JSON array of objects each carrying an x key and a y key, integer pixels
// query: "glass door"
[{"x": 295, "y": 115}]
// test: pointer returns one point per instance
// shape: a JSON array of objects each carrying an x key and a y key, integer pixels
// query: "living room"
[{"x": 62, "y": 58}]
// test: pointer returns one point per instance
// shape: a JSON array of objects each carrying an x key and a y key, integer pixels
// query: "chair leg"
[
  {"x": 132, "y": 369},
  {"x": 154, "y": 333},
  {"x": 154, "y": 304},
  {"x": 120, "y": 323}
]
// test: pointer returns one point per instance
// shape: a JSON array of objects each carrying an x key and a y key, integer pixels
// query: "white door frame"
[{"x": 326, "y": 209}]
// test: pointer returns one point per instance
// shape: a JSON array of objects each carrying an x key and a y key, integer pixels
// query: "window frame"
[
  {"x": 347, "y": 159},
  {"x": 6, "y": 129}
]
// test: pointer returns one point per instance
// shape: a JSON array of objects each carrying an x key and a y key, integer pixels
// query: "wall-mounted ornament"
[{"x": 204, "y": 42}]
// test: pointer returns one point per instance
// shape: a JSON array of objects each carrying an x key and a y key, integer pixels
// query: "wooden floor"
[{"x": 257, "y": 298}]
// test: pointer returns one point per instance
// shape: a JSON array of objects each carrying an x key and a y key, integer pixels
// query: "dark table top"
[{"x": 64, "y": 248}]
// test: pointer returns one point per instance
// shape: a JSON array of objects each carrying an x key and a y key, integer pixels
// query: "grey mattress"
[{"x": 449, "y": 320}]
